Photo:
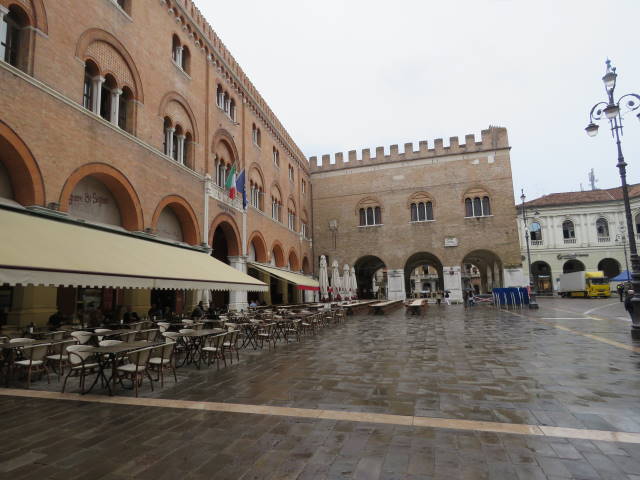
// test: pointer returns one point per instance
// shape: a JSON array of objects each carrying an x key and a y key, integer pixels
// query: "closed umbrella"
[
  {"x": 354, "y": 284},
  {"x": 335, "y": 280},
  {"x": 323, "y": 278},
  {"x": 346, "y": 282}
]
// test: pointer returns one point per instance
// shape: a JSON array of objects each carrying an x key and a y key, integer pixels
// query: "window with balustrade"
[
  {"x": 535, "y": 233},
  {"x": 568, "y": 232},
  {"x": 602, "y": 229}
]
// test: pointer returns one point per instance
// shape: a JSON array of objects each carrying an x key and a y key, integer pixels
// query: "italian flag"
[{"x": 230, "y": 184}]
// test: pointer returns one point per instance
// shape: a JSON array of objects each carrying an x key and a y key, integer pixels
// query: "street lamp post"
[
  {"x": 611, "y": 110},
  {"x": 621, "y": 237},
  {"x": 533, "y": 304}
]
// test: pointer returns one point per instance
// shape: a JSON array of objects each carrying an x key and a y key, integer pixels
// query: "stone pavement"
[{"x": 556, "y": 367}]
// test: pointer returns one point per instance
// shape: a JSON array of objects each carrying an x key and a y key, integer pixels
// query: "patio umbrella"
[
  {"x": 354, "y": 284},
  {"x": 335, "y": 280},
  {"x": 323, "y": 278},
  {"x": 346, "y": 282}
]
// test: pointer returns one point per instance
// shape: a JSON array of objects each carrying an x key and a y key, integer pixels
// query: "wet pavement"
[{"x": 570, "y": 364}]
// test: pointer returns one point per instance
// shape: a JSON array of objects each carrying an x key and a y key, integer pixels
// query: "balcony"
[
  {"x": 569, "y": 241},
  {"x": 536, "y": 243},
  {"x": 222, "y": 196},
  {"x": 604, "y": 239}
]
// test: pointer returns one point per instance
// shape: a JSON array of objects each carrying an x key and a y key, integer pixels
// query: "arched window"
[
  {"x": 232, "y": 110},
  {"x": 486, "y": 206},
  {"x": 477, "y": 206},
  {"x": 221, "y": 171},
  {"x": 176, "y": 50},
  {"x": 185, "y": 60},
  {"x": 14, "y": 37},
  {"x": 363, "y": 217},
  {"x": 168, "y": 130},
  {"x": 568, "y": 231},
  {"x": 220, "y": 96},
  {"x": 535, "y": 232},
  {"x": 255, "y": 134},
  {"x": 91, "y": 77},
  {"x": 602, "y": 228},
  {"x": 109, "y": 85},
  {"x": 370, "y": 216},
  {"x": 421, "y": 211},
  {"x": 187, "y": 155},
  {"x": 276, "y": 204},
  {"x": 468, "y": 207},
  {"x": 126, "y": 107},
  {"x": 276, "y": 157},
  {"x": 177, "y": 136},
  {"x": 125, "y": 5}
]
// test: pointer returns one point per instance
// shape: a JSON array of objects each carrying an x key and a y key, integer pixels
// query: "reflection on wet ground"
[{"x": 475, "y": 364}]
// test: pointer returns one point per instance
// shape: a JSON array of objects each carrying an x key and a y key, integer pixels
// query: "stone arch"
[
  {"x": 183, "y": 104},
  {"x": 490, "y": 268},
  {"x": 366, "y": 267},
  {"x": 119, "y": 186},
  {"x": 222, "y": 136},
  {"x": 278, "y": 252},
  {"x": 186, "y": 215},
  {"x": 610, "y": 267},
  {"x": 420, "y": 259},
  {"x": 98, "y": 35},
  {"x": 368, "y": 201},
  {"x": 573, "y": 265},
  {"x": 256, "y": 169},
  {"x": 306, "y": 265},
  {"x": 34, "y": 9},
  {"x": 542, "y": 276},
  {"x": 231, "y": 231},
  {"x": 420, "y": 196},
  {"x": 24, "y": 172},
  {"x": 260, "y": 246},
  {"x": 294, "y": 265}
]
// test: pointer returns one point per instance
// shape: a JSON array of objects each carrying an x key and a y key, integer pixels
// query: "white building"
[{"x": 573, "y": 231}]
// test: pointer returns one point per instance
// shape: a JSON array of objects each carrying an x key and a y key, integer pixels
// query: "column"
[
  {"x": 515, "y": 277},
  {"x": 266, "y": 296},
  {"x": 181, "y": 149},
  {"x": 96, "y": 94},
  {"x": 169, "y": 140},
  {"x": 490, "y": 284},
  {"x": 3, "y": 30},
  {"x": 115, "y": 106},
  {"x": 32, "y": 304},
  {"x": 238, "y": 300},
  {"x": 496, "y": 276},
  {"x": 452, "y": 280},
  {"x": 284, "y": 288},
  {"x": 395, "y": 284},
  {"x": 179, "y": 55}
]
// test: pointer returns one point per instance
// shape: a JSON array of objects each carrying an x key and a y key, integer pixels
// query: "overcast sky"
[{"x": 344, "y": 75}]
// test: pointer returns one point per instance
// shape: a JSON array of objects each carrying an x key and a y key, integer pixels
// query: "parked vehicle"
[{"x": 584, "y": 284}]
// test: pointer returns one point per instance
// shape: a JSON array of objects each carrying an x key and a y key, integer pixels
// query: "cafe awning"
[
  {"x": 35, "y": 250},
  {"x": 301, "y": 281}
]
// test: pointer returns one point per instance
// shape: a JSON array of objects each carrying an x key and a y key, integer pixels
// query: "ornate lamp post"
[
  {"x": 611, "y": 110},
  {"x": 532, "y": 294}
]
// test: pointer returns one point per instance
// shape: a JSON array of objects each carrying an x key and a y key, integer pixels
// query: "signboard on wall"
[{"x": 450, "y": 242}]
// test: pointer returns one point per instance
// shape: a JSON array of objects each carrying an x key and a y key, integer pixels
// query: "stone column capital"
[{"x": 3, "y": 11}]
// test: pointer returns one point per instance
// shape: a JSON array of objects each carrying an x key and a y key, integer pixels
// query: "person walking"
[
  {"x": 447, "y": 300},
  {"x": 627, "y": 301},
  {"x": 439, "y": 297},
  {"x": 465, "y": 297},
  {"x": 620, "y": 289}
]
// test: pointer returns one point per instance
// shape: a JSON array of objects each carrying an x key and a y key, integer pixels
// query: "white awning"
[
  {"x": 35, "y": 250},
  {"x": 302, "y": 281}
]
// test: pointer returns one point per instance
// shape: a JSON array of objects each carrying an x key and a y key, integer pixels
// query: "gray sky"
[{"x": 355, "y": 74}]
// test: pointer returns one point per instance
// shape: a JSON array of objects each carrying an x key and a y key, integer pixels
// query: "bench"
[
  {"x": 384, "y": 307},
  {"x": 358, "y": 306},
  {"x": 415, "y": 307}
]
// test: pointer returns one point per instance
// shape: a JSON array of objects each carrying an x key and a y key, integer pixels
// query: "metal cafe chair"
[
  {"x": 213, "y": 349},
  {"x": 137, "y": 368},
  {"x": 34, "y": 359},
  {"x": 81, "y": 362},
  {"x": 162, "y": 359}
]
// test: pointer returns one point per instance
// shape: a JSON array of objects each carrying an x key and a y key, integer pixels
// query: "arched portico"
[
  {"x": 489, "y": 268},
  {"x": 257, "y": 248},
  {"x": 423, "y": 272},
  {"x": 371, "y": 277},
  {"x": 573, "y": 265},
  {"x": 542, "y": 276},
  {"x": 179, "y": 207}
]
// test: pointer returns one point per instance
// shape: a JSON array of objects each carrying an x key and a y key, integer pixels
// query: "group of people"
[{"x": 92, "y": 317}]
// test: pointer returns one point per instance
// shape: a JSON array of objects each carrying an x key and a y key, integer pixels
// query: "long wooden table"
[
  {"x": 415, "y": 307},
  {"x": 384, "y": 307}
]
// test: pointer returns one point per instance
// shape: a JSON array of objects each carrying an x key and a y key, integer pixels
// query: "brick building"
[
  {"x": 130, "y": 113},
  {"x": 446, "y": 209}
]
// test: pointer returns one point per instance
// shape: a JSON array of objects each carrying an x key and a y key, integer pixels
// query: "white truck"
[{"x": 584, "y": 284}]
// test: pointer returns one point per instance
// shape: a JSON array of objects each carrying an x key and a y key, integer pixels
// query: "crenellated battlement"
[{"x": 493, "y": 138}]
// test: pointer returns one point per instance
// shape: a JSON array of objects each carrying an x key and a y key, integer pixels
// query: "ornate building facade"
[
  {"x": 448, "y": 209},
  {"x": 130, "y": 114},
  {"x": 574, "y": 231}
]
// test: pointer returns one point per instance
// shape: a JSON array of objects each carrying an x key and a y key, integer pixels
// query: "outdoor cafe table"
[
  {"x": 195, "y": 343},
  {"x": 106, "y": 356}
]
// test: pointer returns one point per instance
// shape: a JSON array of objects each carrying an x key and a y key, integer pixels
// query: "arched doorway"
[
  {"x": 573, "y": 266},
  {"x": 371, "y": 275},
  {"x": 489, "y": 268},
  {"x": 423, "y": 275},
  {"x": 174, "y": 219},
  {"x": 225, "y": 244},
  {"x": 257, "y": 248},
  {"x": 542, "y": 276},
  {"x": 610, "y": 267}
]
